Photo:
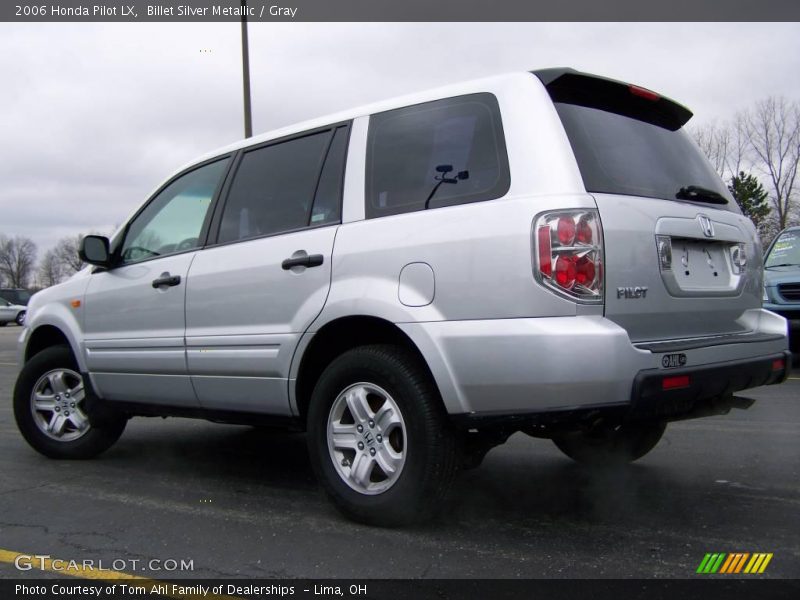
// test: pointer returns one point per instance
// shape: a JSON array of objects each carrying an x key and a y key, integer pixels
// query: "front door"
[{"x": 134, "y": 318}]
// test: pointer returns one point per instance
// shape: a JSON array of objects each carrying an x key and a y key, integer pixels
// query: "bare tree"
[
  {"x": 51, "y": 269},
  {"x": 714, "y": 140},
  {"x": 67, "y": 251},
  {"x": 725, "y": 145},
  {"x": 17, "y": 259},
  {"x": 773, "y": 134}
]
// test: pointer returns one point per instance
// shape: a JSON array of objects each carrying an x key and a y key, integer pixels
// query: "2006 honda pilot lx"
[{"x": 414, "y": 281}]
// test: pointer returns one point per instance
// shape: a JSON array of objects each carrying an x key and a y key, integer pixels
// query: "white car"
[{"x": 11, "y": 313}]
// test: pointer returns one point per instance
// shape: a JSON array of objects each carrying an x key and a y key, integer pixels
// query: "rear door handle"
[
  {"x": 167, "y": 280},
  {"x": 311, "y": 260}
]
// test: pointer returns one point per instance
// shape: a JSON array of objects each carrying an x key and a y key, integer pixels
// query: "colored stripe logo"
[{"x": 733, "y": 563}]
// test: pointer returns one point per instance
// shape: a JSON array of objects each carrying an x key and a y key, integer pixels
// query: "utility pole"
[{"x": 248, "y": 116}]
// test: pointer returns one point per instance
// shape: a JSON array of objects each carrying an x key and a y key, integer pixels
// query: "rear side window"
[
  {"x": 328, "y": 197},
  {"x": 284, "y": 187},
  {"x": 435, "y": 154}
]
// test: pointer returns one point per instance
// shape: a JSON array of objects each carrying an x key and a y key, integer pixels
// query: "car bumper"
[
  {"x": 665, "y": 395},
  {"x": 540, "y": 365},
  {"x": 790, "y": 313}
]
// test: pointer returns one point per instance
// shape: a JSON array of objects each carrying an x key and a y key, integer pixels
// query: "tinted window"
[
  {"x": 273, "y": 189},
  {"x": 618, "y": 154},
  {"x": 173, "y": 220},
  {"x": 15, "y": 296},
  {"x": 442, "y": 153},
  {"x": 328, "y": 199}
]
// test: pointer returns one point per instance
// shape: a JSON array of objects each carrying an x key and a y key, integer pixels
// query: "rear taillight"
[{"x": 568, "y": 253}]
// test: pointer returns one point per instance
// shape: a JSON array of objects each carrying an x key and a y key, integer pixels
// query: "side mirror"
[{"x": 94, "y": 250}]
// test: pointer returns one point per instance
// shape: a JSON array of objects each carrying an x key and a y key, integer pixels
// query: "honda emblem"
[{"x": 707, "y": 225}]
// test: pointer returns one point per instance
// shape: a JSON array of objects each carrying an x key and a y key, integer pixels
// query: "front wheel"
[
  {"x": 379, "y": 439},
  {"x": 611, "y": 445},
  {"x": 49, "y": 407}
]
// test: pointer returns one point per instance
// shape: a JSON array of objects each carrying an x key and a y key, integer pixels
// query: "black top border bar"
[{"x": 399, "y": 10}]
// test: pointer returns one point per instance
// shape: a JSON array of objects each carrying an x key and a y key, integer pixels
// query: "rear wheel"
[
  {"x": 611, "y": 445},
  {"x": 379, "y": 439},
  {"x": 20, "y": 318},
  {"x": 49, "y": 407}
]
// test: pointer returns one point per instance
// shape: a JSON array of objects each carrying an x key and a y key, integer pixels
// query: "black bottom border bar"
[{"x": 732, "y": 587}]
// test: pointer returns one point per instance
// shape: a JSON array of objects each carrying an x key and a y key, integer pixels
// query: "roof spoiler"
[{"x": 573, "y": 87}]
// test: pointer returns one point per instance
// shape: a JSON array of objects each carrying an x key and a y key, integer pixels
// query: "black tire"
[
  {"x": 432, "y": 457},
  {"x": 20, "y": 318},
  {"x": 3, "y": 323},
  {"x": 91, "y": 443},
  {"x": 620, "y": 445}
]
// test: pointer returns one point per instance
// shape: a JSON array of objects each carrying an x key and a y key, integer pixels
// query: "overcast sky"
[{"x": 94, "y": 116}]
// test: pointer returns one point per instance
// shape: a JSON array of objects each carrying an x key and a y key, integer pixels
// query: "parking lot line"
[{"x": 75, "y": 568}]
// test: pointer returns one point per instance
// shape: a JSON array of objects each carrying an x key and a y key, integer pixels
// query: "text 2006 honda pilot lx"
[{"x": 414, "y": 281}]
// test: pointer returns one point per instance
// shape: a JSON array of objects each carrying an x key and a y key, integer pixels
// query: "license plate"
[{"x": 699, "y": 265}]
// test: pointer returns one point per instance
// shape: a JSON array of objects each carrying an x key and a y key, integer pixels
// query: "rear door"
[
  {"x": 254, "y": 293},
  {"x": 680, "y": 259}
]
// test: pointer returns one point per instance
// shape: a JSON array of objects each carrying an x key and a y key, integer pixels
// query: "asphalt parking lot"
[{"x": 240, "y": 502}]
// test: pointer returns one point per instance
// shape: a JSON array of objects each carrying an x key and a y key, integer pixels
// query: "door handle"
[
  {"x": 311, "y": 260},
  {"x": 166, "y": 280}
]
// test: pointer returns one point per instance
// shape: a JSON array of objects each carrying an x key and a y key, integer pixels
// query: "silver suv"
[{"x": 414, "y": 281}]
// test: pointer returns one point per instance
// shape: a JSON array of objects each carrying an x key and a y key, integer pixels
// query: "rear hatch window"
[{"x": 628, "y": 140}]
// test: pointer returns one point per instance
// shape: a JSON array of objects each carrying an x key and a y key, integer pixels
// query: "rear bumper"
[
  {"x": 518, "y": 367},
  {"x": 672, "y": 394}
]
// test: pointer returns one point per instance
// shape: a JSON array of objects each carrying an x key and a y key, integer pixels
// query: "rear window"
[
  {"x": 435, "y": 154},
  {"x": 785, "y": 250},
  {"x": 618, "y": 154}
]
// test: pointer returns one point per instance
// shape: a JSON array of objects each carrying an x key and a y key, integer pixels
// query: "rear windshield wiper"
[
  {"x": 782, "y": 265},
  {"x": 697, "y": 193}
]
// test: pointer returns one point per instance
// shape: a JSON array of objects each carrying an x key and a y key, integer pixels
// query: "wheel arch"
[
  {"x": 317, "y": 350},
  {"x": 49, "y": 335}
]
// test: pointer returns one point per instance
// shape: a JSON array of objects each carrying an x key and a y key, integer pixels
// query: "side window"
[
  {"x": 274, "y": 188},
  {"x": 173, "y": 220},
  {"x": 328, "y": 198},
  {"x": 435, "y": 154}
]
